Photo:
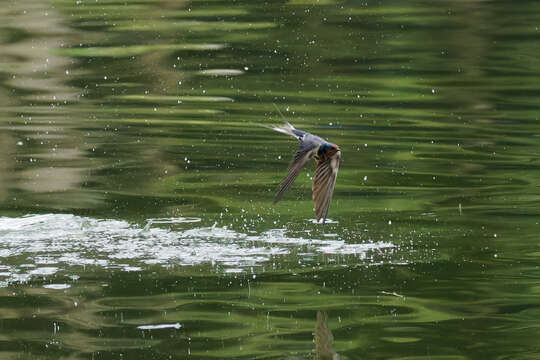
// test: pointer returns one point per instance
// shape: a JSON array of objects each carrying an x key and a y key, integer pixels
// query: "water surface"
[{"x": 136, "y": 183}]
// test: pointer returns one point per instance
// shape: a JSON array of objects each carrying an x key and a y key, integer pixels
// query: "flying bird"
[{"x": 327, "y": 156}]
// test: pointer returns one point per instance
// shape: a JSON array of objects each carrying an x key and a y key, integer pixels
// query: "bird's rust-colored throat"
[{"x": 334, "y": 149}]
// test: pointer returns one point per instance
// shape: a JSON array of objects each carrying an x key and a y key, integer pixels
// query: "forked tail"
[{"x": 287, "y": 128}]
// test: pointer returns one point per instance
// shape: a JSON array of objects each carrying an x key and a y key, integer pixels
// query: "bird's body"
[{"x": 327, "y": 156}]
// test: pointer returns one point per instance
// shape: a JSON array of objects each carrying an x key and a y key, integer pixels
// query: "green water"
[{"x": 136, "y": 185}]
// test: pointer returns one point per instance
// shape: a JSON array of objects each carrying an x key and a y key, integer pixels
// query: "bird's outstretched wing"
[
  {"x": 299, "y": 160},
  {"x": 323, "y": 184}
]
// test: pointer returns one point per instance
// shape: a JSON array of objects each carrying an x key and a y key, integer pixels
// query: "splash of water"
[{"x": 60, "y": 242}]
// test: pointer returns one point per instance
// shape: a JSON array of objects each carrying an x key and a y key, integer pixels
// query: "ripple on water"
[
  {"x": 57, "y": 286},
  {"x": 52, "y": 243},
  {"x": 160, "y": 326}
]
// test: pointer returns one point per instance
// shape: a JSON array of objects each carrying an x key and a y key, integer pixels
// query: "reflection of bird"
[
  {"x": 326, "y": 154},
  {"x": 324, "y": 339}
]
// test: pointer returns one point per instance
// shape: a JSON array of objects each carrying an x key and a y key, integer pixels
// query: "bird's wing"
[
  {"x": 323, "y": 184},
  {"x": 299, "y": 160}
]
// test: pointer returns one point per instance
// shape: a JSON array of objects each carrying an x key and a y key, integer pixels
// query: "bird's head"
[{"x": 328, "y": 149}]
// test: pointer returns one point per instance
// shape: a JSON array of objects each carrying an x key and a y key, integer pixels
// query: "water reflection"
[
  {"x": 6, "y": 165},
  {"x": 42, "y": 145},
  {"x": 324, "y": 340}
]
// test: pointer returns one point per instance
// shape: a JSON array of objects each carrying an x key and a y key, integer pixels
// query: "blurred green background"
[{"x": 136, "y": 182}]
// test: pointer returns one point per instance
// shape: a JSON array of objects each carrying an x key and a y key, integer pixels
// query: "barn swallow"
[{"x": 327, "y": 156}]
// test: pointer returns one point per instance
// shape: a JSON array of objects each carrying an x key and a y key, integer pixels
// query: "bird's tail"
[{"x": 285, "y": 129}]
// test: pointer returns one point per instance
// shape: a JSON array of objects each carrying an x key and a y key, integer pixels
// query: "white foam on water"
[
  {"x": 321, "y": 221},
  {"x": 44, "y": 271},
  {"x": 52, "y": 243}
]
